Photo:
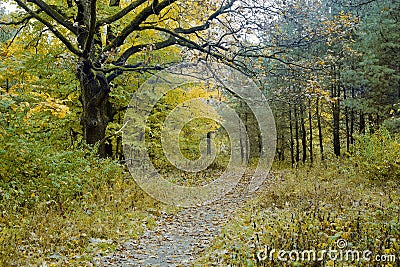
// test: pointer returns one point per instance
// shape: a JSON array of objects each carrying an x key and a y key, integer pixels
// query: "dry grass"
[
  {"x": 74, "y": 233},
  {"x": 311, "y": 208}
]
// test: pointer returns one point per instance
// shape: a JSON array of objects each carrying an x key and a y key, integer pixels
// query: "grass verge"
[
  {"x": 76, "y": 232},
  {"x": 312, "y": 209}
]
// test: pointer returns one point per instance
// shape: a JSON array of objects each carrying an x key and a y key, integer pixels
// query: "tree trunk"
[
  {"x": 291, "y": 136},
  {"x": 296, "y": 125},
  {"x": 346, "y": 113},
  {"x": 247, "y": 152},
  {"x": 95, "y": 104},
  {"x": 336, "y": 125},
  {"x": 371, "y": 125},
  {"x": 362, "y": 123},
  {"x": 209, "y": 143},
  {"x": 352, "y": 119},
  {"x": 335, "y": 94},
  {"x": 303, "y": 133},
  {"x": 281, "y": 148},
  {"x": 321, "y": 143},
  {"x": 311, "y": 131}
]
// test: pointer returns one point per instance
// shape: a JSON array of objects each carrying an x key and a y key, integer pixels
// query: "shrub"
[
  {"x": 377, "y": 155},
  {"x": 56, "y": 195}
]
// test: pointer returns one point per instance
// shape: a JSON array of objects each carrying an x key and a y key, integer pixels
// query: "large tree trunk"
[{"x": 95, "y": 104}]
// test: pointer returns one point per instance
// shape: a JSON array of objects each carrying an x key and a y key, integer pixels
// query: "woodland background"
[{"x": 331, "y": 73}]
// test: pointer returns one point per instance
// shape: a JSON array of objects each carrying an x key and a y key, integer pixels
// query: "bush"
[
  {"x": 377, "y": 155},
  {"x": 55, "y": 195},
  {"x": 310, "y": 209}
]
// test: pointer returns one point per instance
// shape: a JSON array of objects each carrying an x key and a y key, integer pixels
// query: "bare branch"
[
  {"x": 136, "y": 48},
  {"x": 115, "y": 133},
  {"x": 119, "y": 70},
  {"x": 185, "y": 42},
  {"x": 16, "y": 34},
  {"x": 360, "y": 4},
  {"x": 120, "y": 66},
  {"x": 206, "y": 25}
]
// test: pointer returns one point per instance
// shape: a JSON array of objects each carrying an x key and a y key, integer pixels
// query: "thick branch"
[
  {"x": 360, "y": 4},
  {"x": 121, "y": 70},
  {"x": 16, "y": 33},
  {"x": 54, "y": 15},
  {"x": 139, "y": 19},
  {"x": 120, "y": 66},
  {"x": 136, "y": 48},
  {"x": 184, "y": 41},
  {"x": 92, "y": 28},
  {"x": 61, "y": 37},
  {"x": 121, "y": 13}
]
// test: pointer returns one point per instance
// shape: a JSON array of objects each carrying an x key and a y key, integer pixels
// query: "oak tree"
[{"x": 108, "y": 39}]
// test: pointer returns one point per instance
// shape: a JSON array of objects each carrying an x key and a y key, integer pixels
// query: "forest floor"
[
  {"x": 178, "y": 239},
  {"x": 308, "y": 207}
]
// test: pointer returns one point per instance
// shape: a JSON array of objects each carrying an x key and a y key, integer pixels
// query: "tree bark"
[
  {"x": 336, "y": 125},
  {"x": 291, "y": 136},
  {"x": 296, "y": 125},
  {"x": 311, "y": 131},
  {"x": 362, "y": 123},
  {"x": 352, "y": 118},
  {"x": 335, "y": 94},
  {"x": 303, "y": 133},
  {"x": 95, "y": 104},
  {"x": 346, "y": 113},
  {"x": 321, "y": 143},
  {"x": 209, "y": 143}
]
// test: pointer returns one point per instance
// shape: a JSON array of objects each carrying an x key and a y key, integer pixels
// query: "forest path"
[{"x": 178, "y": 239}]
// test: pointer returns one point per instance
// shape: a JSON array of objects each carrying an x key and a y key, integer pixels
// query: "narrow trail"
[{"x": 178, "y": 239}]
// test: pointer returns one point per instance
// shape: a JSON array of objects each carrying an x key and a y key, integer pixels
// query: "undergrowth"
[
  {"x": 59, "y": 203},
  {"x": 311, "y": 209},
  {"x": 67, "y": 230}
]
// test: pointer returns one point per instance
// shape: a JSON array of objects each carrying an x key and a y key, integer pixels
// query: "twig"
[{"x": 114, "y": 134}]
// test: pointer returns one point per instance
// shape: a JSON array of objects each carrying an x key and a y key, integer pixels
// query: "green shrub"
[
  {"x": 377, "y": 155},
  {"x": 56, "y": 194}
]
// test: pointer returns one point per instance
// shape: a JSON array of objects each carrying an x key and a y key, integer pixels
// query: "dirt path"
[{"x": 178, "y": 239}]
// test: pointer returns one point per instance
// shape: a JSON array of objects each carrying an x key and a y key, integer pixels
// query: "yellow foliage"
[{"x": 51, "y": 104}]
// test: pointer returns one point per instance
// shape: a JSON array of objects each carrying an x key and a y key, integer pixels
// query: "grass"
[
  {"x": 76, "y": 232},
  {"x": 85, "y": 207},
  {"x": 311, "y": 208}
]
